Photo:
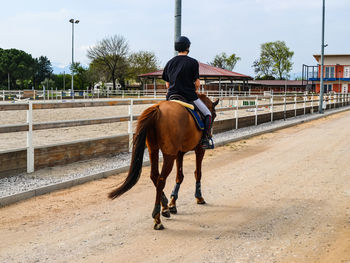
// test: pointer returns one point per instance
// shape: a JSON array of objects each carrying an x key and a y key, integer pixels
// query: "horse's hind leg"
[
  {"x": 154, "y": 158},
  {"x": 166, "y": 169},
  {"x": 198, "y": 174},
  {"x": 179, "y": 179}
]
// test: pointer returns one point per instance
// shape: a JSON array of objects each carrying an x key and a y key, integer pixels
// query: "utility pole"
[
  {"x": 320, "y": 106},
  {"x": 178, "y": 10}
]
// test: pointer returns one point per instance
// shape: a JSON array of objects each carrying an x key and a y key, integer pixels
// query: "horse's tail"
[{"x": 145, "y": 123}]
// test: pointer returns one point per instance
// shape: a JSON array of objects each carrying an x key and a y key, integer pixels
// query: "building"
[
  {"x": 227, "y": 81},
  {"x": 336, "y": 73},
  {"x": 278, "y": 86}
]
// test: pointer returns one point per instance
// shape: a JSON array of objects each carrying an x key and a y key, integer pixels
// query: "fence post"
[
  {"x": 284, "y": 106},
  {"x": 295, "y": 105},
  {"x": 130, "y": 128},
  {"x": 3, "y": 95},
  {"x": 30, "y": 148},
  {"x": 312, "y": 104},
  {"x": 271, "y": 107},
  {"x": 304, "y": 105},
  {"x": 236, "y": 112},
  {"x": 256, "y": 110}
]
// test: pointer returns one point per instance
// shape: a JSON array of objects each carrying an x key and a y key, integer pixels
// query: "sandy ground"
[
  {"x": 10, "y": 141},
  {"x": 279, "y": 197}
]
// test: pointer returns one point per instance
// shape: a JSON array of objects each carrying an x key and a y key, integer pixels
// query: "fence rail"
[
  {"x": 63, "y": 95},
  {"x": 304, "y": 103}
]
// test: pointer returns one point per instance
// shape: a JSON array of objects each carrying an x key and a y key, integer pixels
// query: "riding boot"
[{"x": 207, "y": 142}]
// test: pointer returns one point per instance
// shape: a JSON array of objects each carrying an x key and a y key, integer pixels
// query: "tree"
[
  {"x": 42, "y": 70},
  {"x": 274, "y": 62},
  {"x": 225, "y": 62},
  {"x": 142, "y": 62},
  {"x": 17, "y": 64},
  {"x": 111, "y": 53},
  {"x": 80, "y": 76},
  {"x": 62, "y": 81}
]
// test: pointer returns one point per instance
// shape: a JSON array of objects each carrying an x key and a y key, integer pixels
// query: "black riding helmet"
[{"x": 182, "y": 44}]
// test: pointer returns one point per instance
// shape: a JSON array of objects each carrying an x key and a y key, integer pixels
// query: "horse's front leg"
[
  {"x": 166, "y": 169},
  {"x": 179, "y": 179},
  {"x": 198, "y": 174}
]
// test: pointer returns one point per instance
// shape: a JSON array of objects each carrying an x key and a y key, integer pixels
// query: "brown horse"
[{"x": 169, "y": 127}]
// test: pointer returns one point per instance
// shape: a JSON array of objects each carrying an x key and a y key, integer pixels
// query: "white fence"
[
  {"x": 60, "y": 95},
  {"x": 242, "y": 106}
]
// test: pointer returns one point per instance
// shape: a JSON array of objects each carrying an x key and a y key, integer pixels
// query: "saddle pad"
[
  {"x": 194, "y": 114},
  {"x": 187, "y": 105}
]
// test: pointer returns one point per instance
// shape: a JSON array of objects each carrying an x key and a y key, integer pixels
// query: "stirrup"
[{"x": 207, "y": 144}]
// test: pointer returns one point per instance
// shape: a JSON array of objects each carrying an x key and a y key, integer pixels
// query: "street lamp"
[{"x": 73, "y": 22}]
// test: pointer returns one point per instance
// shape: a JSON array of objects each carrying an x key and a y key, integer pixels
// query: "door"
[{"x": 344, "y": 88}]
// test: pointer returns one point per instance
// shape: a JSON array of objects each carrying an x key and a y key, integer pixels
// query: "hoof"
[
  {"x": 200, "y": 201},
  {"x": 158, "y": 227},
  {"x": 166, "y": 213},
  {"x": 173, "y": 210}
]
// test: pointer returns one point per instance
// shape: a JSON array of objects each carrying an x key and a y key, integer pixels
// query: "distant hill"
[{"x": 60, "y": 70}]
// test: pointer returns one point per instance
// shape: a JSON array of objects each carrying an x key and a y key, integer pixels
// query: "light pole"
[
  {"x": 178, "y": 10},
  {"x": 73, "y": 22},
  {"x": 320, "y": 106}
]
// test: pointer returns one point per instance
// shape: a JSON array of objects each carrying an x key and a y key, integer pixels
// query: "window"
[
  {"x": 329, "y": 72},
  {"x": 346, "y": 72}
]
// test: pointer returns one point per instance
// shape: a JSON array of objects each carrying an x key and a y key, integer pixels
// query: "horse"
[{"x": 170, "y": 128}]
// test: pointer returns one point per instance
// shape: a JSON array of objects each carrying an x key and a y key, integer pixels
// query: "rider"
[{"x": 181, "y": 74}]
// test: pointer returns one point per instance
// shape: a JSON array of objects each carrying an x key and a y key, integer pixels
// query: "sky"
[{"x": 42, "y": 28}]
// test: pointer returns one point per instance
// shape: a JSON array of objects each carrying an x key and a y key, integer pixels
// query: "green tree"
[
  {"x": 275, "y": 61},
  {"x": 142, "y": 62},
  {"x": 62, "y": 81},
  {"x": 17, "y": 64},
  {"x": 112, "y": 54},
  {"x": 81, "y": 80},
  {"x": 42, "y": 69},
  {"x": 225, "y": 62}
]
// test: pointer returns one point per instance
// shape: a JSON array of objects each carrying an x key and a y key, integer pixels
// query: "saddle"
[{"x": 191, "y": 108}]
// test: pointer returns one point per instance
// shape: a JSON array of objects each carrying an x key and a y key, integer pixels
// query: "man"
[{"x": 181, "y": 74}]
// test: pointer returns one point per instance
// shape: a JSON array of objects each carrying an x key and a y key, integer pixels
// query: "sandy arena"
[{"x": 279, "y": 197}]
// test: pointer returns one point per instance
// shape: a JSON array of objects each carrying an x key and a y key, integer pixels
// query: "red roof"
[{"x": 208, "y": 71}]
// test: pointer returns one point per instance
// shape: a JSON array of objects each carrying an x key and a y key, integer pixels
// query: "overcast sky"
[{"x": 233, "y": 26}]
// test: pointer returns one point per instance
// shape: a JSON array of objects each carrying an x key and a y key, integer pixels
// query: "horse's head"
[{"x": 211, "y": 105}]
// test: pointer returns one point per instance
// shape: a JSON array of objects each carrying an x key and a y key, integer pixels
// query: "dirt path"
[{"x": 280, "y": 197}]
